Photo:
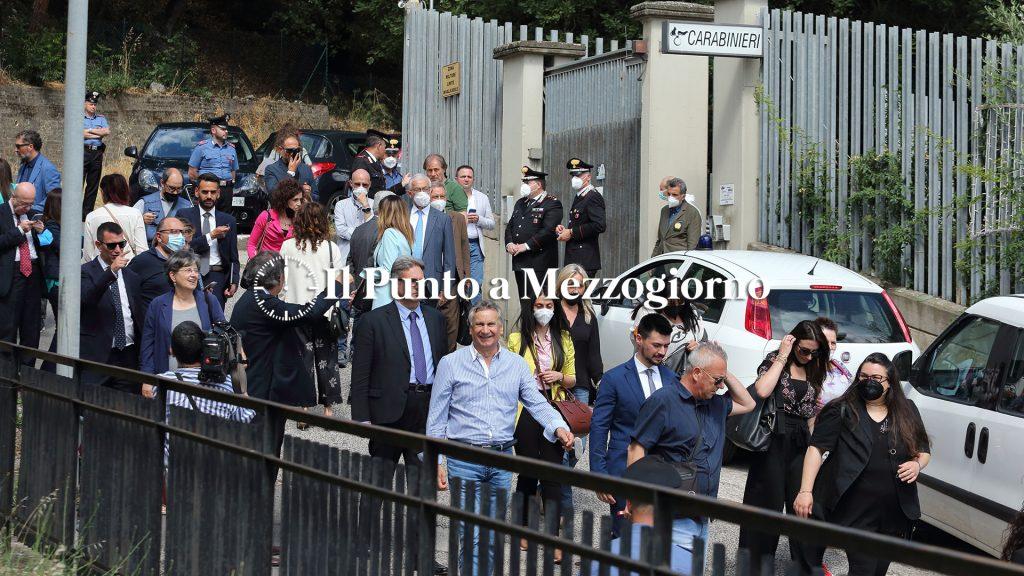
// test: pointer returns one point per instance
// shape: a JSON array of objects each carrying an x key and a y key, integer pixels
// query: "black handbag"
[
  {"x": 688, "y": 470},
  {"x": 334, "y": 323},
  {"x": 463, "y": 338},
  {"x": 753, "y": 431}
]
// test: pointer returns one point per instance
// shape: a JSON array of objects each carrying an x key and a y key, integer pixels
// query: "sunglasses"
[
  {"x": 808, "y": 352},
  {"x": 293, "y": 151},
  {"x": 115, "y": 245},
  {"x": 718, "y": 379},
  {"x": 20, "y": 146}
]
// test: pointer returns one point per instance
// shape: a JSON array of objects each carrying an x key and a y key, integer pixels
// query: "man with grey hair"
[
  {"x": 684, "y": 422},
  {"x": 680, "y": 223},
  {"x": 477, "y": 391},
  {"x": 36, "y": 168},
  {"x": 433, "y": 238}
]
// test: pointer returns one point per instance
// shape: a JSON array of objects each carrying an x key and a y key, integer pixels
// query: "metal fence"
[
  {"x": 592, "y": 110},
  {"x": 872, "y": 139},
  {"x": 90, "y": 475}
]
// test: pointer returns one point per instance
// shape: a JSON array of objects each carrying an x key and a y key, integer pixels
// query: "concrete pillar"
[
  {"x": 674, "y": 119},
  {"x": 736, "y": 145},
  {"x": 522, "y": 133}
]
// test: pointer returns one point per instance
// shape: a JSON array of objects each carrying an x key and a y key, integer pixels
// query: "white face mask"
[
  {"x": 390, "y": 162},
  {"x": 421, "y": 199},
  {"x": 576, "y": 183},
  {"x": 673, "y": 201},
  {"x": 359, "y": 191},
  {"x": 438, "y": 204},
  {"x": 525, "y": 190},
  {"x": 543, "y": 315}
]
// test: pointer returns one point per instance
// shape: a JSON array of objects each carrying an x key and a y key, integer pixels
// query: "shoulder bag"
[
  {"x": 575, "y": 413},
  {"x": 118, "y": 222},
  {"x": 687, "y": 470},
  {"x": 753, "y": 431},
  {"x": 334, "y": 322}
]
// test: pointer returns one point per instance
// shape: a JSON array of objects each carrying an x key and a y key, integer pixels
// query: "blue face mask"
[{"x": 175, "y": 242}]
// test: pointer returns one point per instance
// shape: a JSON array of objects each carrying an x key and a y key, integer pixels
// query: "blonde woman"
[{"x": 394, "y": 239}]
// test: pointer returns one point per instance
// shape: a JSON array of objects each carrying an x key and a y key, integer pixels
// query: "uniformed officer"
[
  {"x": 390, "y": 162},
  {"x": 370, "y": 159},
  {"x": 530, "y": 236},
  {"x": 217, "y": 156},
  {"x": 95, "y": 129},
  {"x": 586, "y": 220}
]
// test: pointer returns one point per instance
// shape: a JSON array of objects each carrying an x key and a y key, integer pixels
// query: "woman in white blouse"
[
  {"x": 117, "y": 198},
  {"x": 687, "y": 328}
]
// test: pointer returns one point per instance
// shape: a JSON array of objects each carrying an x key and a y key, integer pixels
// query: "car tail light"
[
  {"x": 825, "y": 287},
  {"x": 320, "y": 168},
  {"x": 899, "y": 316},
  {"x": 758, "y": 320}
]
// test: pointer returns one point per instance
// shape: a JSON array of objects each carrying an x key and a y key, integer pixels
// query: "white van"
[{"x": 969, "y": 387}]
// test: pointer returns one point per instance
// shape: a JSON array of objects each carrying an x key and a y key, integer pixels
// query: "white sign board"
[
  {"x": 726, "y": 195},
  {"x": 712, "y": 39}
]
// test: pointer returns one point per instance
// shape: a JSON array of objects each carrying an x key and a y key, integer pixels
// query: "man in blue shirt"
[
  {"x": 680, "y": 415},
  {"x": 163, "y": 203},
  {"x": 392, "y": 169},
  {"x": 36, "y": 168},
  {"x": 95, "y": 129},
  {"x": 217, "y": 156}
]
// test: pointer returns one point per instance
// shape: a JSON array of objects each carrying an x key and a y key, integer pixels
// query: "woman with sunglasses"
[
  {"x": 877, "y": 447},
  {"x": 794, "y": 374}
]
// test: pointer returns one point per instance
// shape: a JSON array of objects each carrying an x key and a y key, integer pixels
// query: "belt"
[
  {"x": 499, "y": 447},
  {"x": 217, "y": 268},
  {"x": 93, "y": 148},
  {"x": 474, "y": 240},
  {"x": 420, "y": 387}
]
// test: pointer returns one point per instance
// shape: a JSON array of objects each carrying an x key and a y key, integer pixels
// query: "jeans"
[
  {"x": 684, "y": 530},
  {"x": 498, "y": 479},
  {"x": 476, "y": 268},
  {"x": 583, "y": 395}
]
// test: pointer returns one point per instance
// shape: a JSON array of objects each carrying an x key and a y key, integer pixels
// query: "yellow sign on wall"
[{"x": 451, "y": 79}]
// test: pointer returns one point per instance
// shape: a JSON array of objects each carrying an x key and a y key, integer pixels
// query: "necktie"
[
  {"x": 204, "y": 260},
  {"x": 419, "y": 362},
  {"x": 417, "y": 245},
  {"x": 25, "y": 265},
  {"x": 120, "y": 337},
  {"x": 650, "y": 381}
]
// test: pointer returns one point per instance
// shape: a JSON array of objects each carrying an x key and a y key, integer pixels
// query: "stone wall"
[{"x": 133, "y": 116}]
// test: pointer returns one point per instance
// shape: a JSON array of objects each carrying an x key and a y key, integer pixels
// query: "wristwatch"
[{"x": 367, "y": 209}]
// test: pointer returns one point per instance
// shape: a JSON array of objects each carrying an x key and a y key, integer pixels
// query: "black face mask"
[
  {"x": 869, "y": 389},
  {"x": 571, "y": 299},
  {"x": 169, "y": 197}
]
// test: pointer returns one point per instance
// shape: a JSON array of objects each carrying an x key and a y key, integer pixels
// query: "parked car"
[
  {"x": 170, "y": 145},
  {"x": 330, "y": 153},
  {"x": 800, "y": 288},
  {"x": 969, "y": 387}
]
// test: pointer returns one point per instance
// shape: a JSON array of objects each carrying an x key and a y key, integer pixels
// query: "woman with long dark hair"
[
  {"x": 687, "y": 327},
  {"x": 274, "y": 225},
  {"x": 795, "y": 375},
  {"x": 544, "y": 341},
  {"x": 6, "y": 180},
  {"x": 117, "y": 208},
  {"x": 877, "y": 447}
]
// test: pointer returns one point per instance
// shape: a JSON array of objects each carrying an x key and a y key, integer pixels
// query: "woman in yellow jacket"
[{"x": 549, "y": 352}]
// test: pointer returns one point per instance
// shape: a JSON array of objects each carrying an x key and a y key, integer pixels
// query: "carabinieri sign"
[{"x": 712, "y": 39}]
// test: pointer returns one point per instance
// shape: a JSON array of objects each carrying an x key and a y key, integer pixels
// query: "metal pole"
[{"x": 69, "y": 299}]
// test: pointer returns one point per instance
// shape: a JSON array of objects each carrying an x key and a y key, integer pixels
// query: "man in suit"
[
  {"x": 450, "y": 308},
  {"x": 112, "y": 315},
  {"x": 21, "y": 270},
  {"x": 433, "y": 242},
  {"x": 623, "y": 390},
  {"x": 392, "y": 388},
  {"x": 586, "y": 220},
  {"x": 35, "y": 168},
  {"x": 217, "y": 241},
  {"x": 530, "y": 235},
  {"x": 679, "y": 225}
]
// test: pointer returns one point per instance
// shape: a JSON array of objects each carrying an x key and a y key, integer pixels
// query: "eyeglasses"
[
  {"x": 874, "y": 377},
  {"x": 173, "y": 189},
  {"x": 20, "y": 146},
  {"x": 718, "y": 379},
  {"x": 171, "y": 231},
  {"x": 418, "y": 190},
  {"x": 808, "y": 352},
  {"x": 115, "y": 245}
]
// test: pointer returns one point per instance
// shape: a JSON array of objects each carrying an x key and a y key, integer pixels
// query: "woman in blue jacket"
[{"x": 184, "y": 302}]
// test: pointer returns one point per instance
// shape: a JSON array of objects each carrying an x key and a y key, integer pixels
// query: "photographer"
[{"x": 290, "y": 164}]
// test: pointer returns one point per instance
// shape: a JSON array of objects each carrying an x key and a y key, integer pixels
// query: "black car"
[
  {"x": 170, "y": 146},
  {"x": 331, "y": 153}
]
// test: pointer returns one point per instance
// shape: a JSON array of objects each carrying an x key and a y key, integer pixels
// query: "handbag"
[
  {"x": 753, "y": 431},
  {"x": 463, "y": 338},
  {"x": 688, "y": 470},
  {"x": 334, "y": 322},
  {"x": 679, "y": 361},
  {"x": 575, "y": 413}
]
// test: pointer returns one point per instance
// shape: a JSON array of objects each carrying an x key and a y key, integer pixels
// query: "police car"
[{"x": 170, "y": 146}]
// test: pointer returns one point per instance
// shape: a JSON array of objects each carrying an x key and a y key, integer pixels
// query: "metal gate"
[{"x": 592, "y": 111}]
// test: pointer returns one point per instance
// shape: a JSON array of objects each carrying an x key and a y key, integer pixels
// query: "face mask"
[
  {"x": 438, "y": 204},
  {"x": 390, "y": 162},
  {"x": 359, "y": 191},
  {"x": 525, "y": 190},
  {"x": 543, "y": 316},
  {"x": 673, "y": 201},
  {"x": 175, "y": 242},
  {"x": 869, "y": 389},
  {"x": 576, "y": 183},
  {"x": 662, "y": 196},
  {"x": 421, "y": 199}
]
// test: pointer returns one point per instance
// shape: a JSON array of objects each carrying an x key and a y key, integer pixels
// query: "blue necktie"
[
  {"x": 417, "y": 245},
  {"x": 120, "y": 334},
  {"x": 419, "y": 362}
]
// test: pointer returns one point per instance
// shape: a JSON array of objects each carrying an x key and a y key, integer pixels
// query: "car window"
[
  {"x": 621, "y": 291},
  {"x": 178, "y": 143},
  {"x": 1012, "y": 398},
  {"x": 242, "y": 147},
  {"x": 317, "y": 146},
  {"x": 958, "y": 367},
  {"x": 355, "y": 146},
  {"x": 862, "y": 317},
  {"x": 711, "y": 303}
]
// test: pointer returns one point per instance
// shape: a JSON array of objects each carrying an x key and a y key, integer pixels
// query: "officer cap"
[
  {"x": 653, "y": 471},
  {"x": 577, "y": 166},
  {"x": 221, "y": 121},
  {"x": 531, "y": 174},
  {"x": 92, "y": 96},
  {"x": 392, "y": 142}
]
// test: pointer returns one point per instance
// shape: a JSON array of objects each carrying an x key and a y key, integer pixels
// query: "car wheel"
[{"x": 333, "y": 199}]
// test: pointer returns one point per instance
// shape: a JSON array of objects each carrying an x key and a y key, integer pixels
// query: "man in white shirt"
[
  {"x": 350, "y": 212},
  {"x": 216, "y": 239},
  {"x": 479, "y": 218}
]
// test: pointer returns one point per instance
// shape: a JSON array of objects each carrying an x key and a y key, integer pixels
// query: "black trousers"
[
  {"x": 223, "y": 281},
  {"x": 860, "y": 564},
  {"x": 21, "y": 310},
  {"x": 413, "y": 419},
  {"x": 127, "y": 358},
  {"x": 92, "y": 169},
  {"x": 773, "y": 483},
  {"x": 530, "y": 442},
  {"x": 224, "y": 202}
]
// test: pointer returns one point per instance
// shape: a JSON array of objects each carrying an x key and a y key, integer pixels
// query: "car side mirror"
[
  {"x": 131, "y": 152},
  {"x": 903, "y": 364}
]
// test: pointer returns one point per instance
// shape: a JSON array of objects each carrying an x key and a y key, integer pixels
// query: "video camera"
[{"x": 221, "y": 356}]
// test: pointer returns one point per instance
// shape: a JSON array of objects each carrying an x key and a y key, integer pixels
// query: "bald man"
[
  {"x": 150, "y": 266},
  {"x": 21, "y": 273},
  {"x": 350, "y": 212},
  {"x": 167, "y": 201}
]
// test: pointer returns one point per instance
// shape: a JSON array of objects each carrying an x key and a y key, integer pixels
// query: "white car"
[
  {"x": 969, "y": 387},
  {"x": 799, "y": 288}
]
